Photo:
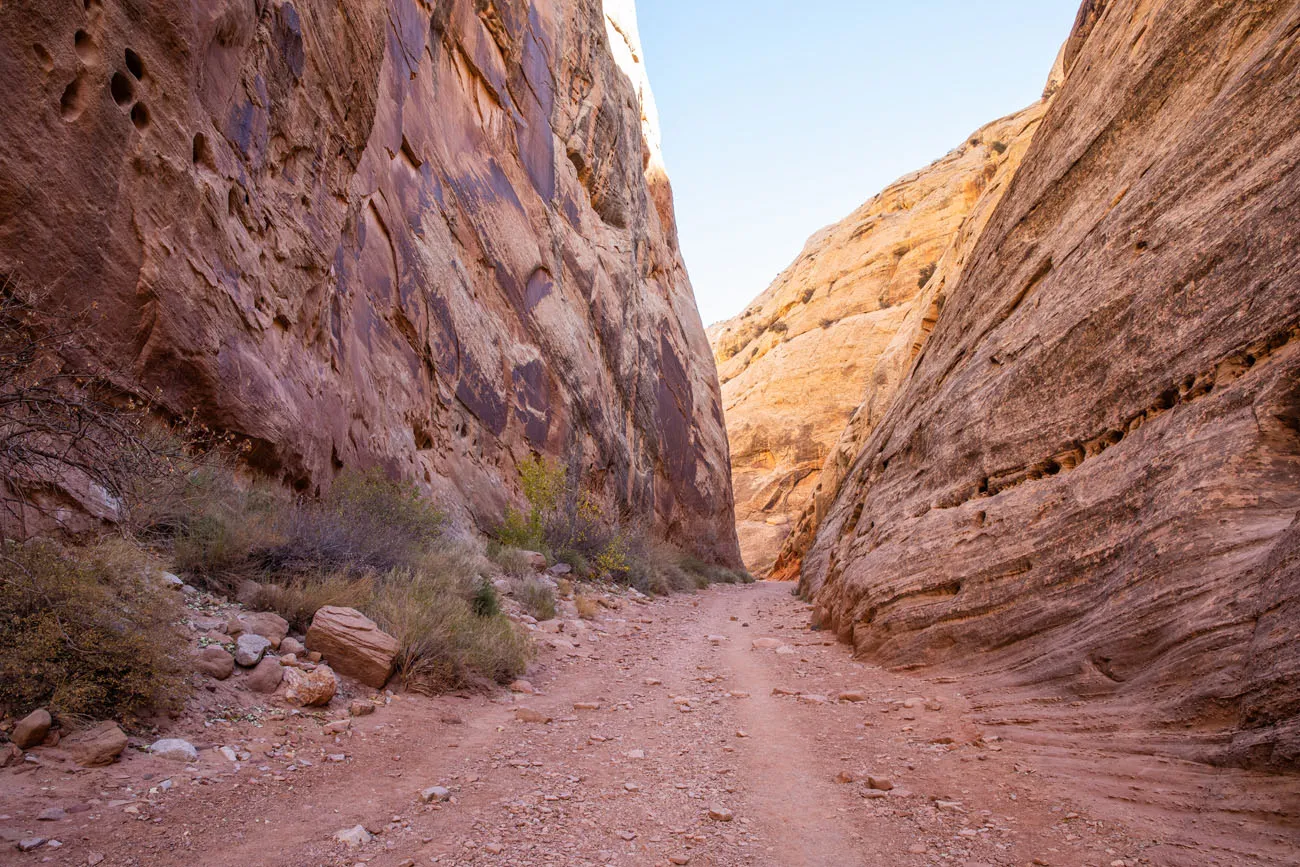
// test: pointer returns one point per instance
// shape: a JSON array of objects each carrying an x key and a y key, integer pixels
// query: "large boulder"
[
  {"x": 266, "y": 676},
  {"x": 267, "y": 624},
  {"x": 215, "y": 662},
  {"x": 353, "y": 644},
  {"x": 309, "y": 688},
  {"x": 32, "y": 729},
  {"x": 97, "y": 746}
]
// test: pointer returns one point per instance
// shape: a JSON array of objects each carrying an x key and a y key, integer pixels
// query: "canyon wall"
[
  {"x": 1087, "y": 488},
  {"x": 434, "y": 237},
  {"x": 836, "y": 331}
]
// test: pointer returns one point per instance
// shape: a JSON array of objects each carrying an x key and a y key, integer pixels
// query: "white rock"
[
  {"x": 354, "y": 837},
  {"x": 175, "y": 749},
  {"x": 250, "y": 648},
  {"x": 435, "y": 794}
]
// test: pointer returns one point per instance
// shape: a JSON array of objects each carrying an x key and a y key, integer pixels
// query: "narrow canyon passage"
[{"x": 672, "y": 739}]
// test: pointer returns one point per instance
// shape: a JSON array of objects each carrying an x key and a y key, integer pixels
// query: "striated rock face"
[
  {"x": 1088, "y": 486},
  {"x": 435, "y": 237},
  {"x": 837, "y": 330}
]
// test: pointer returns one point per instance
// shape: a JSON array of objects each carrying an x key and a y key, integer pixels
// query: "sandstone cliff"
[
  {"x": 837, "y": 329},
  {"x": 1087, "y": 488},
  {"x": 430, "y": 236}
]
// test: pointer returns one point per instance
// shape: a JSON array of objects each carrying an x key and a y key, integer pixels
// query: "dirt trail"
[{"x": 700, "y": 749}]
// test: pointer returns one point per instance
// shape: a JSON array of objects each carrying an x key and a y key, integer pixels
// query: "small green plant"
[
  {"x": 544, "y": 483},
  {"x": 485, "y": 601}
]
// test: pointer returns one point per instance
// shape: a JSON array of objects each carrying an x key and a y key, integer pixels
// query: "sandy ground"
[{"x": 672, "y": 740}]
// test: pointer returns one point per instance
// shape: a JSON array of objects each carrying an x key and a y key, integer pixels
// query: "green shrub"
[
  {"x": 485, "y": 601},
  {"x": 86, "y": 632},
  {"x": 998, "y": 148}
]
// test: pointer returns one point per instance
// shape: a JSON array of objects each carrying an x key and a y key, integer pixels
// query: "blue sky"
[{"x": 781, "y": 117}]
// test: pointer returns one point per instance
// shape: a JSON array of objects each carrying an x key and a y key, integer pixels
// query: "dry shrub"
[
  {"x": 537, "y": 598},
  {"x": 445, "y": 644},
  {"x": 587, "y": 607},
  {"x": 297, "y": 598},
  {"x": 87, "y": 632},
  {"x": 564, "y": 588},
  {"x": 366, "y": 523},
  {"x": 435, "y": 609},
  {"x": 513, "y": 562}
]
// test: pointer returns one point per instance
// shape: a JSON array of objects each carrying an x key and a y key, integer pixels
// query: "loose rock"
[
  {"x": 353, "y": 644},
  {"x": 250, "y": 648},
  {"x": 31, "y": 729},
  {"x": 174, "y": 749}
]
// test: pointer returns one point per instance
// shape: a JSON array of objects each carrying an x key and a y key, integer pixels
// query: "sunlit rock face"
[
  {"x": 836, "y": 332},
  {"x": 1086, "y": 489},
  {"x": 434, "y": 237}
]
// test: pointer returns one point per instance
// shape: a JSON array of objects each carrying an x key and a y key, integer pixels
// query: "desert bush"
[
  {"x": 926, "y": 273},
  {"x": 445, "y": 643},
  {"x": 998, "y": 147},
  {"x": 825, "y": 323},
  {"x": 440, "y": 608},
  {"x": 297, "y": 598},
  {"x": 544, "y": 483},
  {"x": 587, "y": 607},
  {"x": 87, "y": 632},
  {"x": 485, "y": 602},
  {"x": 513, "y": 562},
  {"x": 779, "y": 327},
  {"x": 807, "y": 295},
  {"x": 366, "y": 523},
  {"x": 537, "y": 598}
]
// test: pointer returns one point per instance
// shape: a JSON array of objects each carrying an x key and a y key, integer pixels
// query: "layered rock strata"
[
  {"x": 836, "y": 331},
  {"x": 1088, "y": 487},
  {"x": 435, "y": 237}
]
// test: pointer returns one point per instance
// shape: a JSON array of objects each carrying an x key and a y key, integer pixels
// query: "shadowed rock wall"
[
  {"x": 433, "y": 237},
  {"x": 1088, "y": 487}
]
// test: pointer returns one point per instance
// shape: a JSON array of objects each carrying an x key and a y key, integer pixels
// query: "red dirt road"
[{"x": 687, "y": 724}]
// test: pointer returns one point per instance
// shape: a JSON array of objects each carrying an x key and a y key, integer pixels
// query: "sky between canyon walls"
[{"x": 780, "y": 117}]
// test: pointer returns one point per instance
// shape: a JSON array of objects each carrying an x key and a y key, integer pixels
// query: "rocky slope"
[
  {"x": 1088, "y": 486},
  {"x": 434, "y": 237},
  {"x": 837, "y": 329}
]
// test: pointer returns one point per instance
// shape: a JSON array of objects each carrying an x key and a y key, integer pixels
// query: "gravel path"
[{"x": 672, "y": 739}]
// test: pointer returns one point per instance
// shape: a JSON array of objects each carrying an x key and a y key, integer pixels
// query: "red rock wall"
[
  {"x": 433, "y": 237},
  {"x": 1089, "y": 487}
]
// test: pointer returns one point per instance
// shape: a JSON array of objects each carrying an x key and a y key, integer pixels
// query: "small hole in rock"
[
  {"x": 140, "y": 116},
  {"x": 84, "y": 46},
  {"x": 122, "y": 88},
  {"x": 202, "y": 151},
  {"x": 71, "y": 104},
  {"x": 134, "y": 64},
  {"x": 43, "y": 57}
]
